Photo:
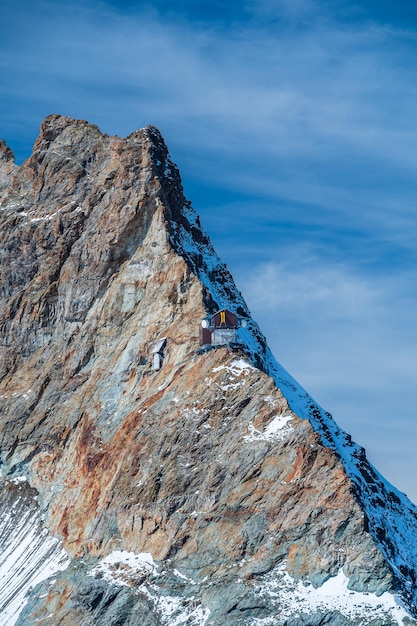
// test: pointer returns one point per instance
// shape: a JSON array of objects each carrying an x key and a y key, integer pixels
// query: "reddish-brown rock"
[{"x": 203, "y": 464}]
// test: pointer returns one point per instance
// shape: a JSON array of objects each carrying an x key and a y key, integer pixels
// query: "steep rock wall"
[{"x": 204, "y": 466}]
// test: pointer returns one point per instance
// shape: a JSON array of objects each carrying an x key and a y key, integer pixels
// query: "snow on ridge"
[
  {"x": 206, "y": 263},
  {"x": 393, "y": 526},
  {"x": 392, "y": 516}
]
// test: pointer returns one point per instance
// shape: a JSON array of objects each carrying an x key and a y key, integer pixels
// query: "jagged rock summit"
[{"x": 209, "y": 490}]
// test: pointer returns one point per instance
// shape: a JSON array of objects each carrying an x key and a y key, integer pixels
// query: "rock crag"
[{"x": 213, "y": 491}]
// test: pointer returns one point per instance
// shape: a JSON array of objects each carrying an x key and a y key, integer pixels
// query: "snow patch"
[
  {"x": 279, "y": 423},
  {"x": 124, "y": 568},
  {"x": 277, "y": 430},
  {"x": 176, "y": 610},
  {"x": 235, "y": 370},
  {"x": 232, "y": 386},
  {"x": 236, "y": 367},
  {"x": 184, "y": 577},
  {"x": 240, "y": 365},
  {"x": 296, "y": 597},
  {"x": 191, "y": 412},
  {"x": 46, "y": 218},
  {"x": 140, "y": 572},
  {"x": 270, "y": 401},
  {"x": 19, "y": 479}
]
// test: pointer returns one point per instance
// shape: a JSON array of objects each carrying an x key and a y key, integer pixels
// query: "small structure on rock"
[
  {"x": 220, "y": 329},
  {"x": 158, "y": 353}
]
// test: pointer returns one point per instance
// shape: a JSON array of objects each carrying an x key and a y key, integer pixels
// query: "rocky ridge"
[{"x": 213, "y": 491}]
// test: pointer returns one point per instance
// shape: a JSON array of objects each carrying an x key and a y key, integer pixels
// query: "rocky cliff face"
[{"x": 212, "y": 491}]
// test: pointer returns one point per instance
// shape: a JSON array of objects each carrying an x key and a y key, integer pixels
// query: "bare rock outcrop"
[{"x": 210, "y": 491}]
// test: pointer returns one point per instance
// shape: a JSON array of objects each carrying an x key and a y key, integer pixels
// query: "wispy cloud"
[
  {"x": 296, "y": 101},
  {"x": 322, "y": 304},
  {"x": 282, "y": 91},
  {"x": 350, "y": 340}
]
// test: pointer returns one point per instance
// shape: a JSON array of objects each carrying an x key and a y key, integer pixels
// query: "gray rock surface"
[{"x": 196, "y": 494}]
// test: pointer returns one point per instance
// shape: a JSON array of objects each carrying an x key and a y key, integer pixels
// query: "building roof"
[{"x": 159, "y": 345}]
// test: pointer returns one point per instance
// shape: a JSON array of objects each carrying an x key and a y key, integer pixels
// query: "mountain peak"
[
  {"x": 6, "y": 154},
  {"x": 184, "y": 482}
]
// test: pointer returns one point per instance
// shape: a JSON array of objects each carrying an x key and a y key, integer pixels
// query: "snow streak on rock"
[{"x": 28, "y": 554}]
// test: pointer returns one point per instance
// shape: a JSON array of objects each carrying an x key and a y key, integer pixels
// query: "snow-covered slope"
[{"x": 28, "y": 554}]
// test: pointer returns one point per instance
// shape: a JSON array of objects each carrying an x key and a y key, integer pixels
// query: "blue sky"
[{"x": 294, "y": 124}]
